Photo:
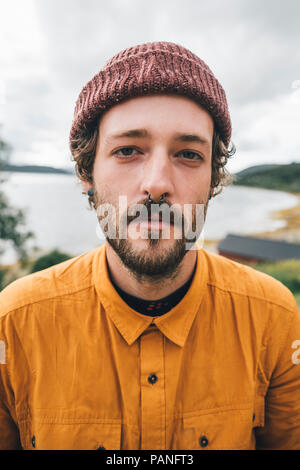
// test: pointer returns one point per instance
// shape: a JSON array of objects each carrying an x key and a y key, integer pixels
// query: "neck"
[{"x": 148, "y": 290}]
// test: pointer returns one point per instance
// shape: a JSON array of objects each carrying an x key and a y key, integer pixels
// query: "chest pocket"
[
  {"x": 218, "y": 429},
  {"x": 49, "y": 434}
]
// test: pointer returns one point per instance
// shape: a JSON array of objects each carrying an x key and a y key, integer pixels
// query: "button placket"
[{"x": 152, "y": 391}]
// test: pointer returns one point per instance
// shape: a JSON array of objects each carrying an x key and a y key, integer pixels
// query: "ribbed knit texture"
[{"x": 146, "y": 69}]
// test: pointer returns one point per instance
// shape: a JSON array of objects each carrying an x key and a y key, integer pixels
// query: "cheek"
[
  {"x": 196, "y": 183},
  {"x": 108, "y": 171},
  {"x": 100, "y": 171},
  {"x": 112, "y": 181}
]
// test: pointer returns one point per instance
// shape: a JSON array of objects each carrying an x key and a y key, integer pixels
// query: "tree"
[
  {"x": 12, "y": 221},
  {"x": 5, "y": 151},
  {"x": 49, "y": 259}
]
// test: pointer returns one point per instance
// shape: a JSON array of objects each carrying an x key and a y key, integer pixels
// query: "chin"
[{"x": 150, "y": 258}]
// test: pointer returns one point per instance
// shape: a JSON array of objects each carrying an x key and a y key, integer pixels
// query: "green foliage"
[
  {"x": 297, "y": 297},
  {"x": 5, "y": 151},
  {"x": 51, "y": 258},
  {"x": 3, "y": 273},
  {"x": 287, "y": 272},
  {"x": 8, "y": 275},
  {"x": 12, "y": 220},
  {"x": 279, "y": 177}
]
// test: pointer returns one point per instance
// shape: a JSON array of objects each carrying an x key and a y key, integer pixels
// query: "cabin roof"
[{"x": 259, "y": 248}]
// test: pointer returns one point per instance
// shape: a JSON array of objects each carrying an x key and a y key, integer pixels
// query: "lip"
[{"x": 151, "y": 224}]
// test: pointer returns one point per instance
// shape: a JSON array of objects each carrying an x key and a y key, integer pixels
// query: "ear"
[{"x": 86, "y": 185}]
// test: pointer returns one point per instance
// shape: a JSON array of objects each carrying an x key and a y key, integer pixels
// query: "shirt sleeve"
[
  {"x": 282, "y": 401},
  {"x": 9, "y": 433}
]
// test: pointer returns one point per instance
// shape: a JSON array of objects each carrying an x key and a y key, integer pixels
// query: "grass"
[
  {"x": 297, "y": 297},
  {"x": 287, "y": 272}
]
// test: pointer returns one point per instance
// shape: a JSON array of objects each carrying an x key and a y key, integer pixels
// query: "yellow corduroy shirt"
[{"x": 81, "y": 370}]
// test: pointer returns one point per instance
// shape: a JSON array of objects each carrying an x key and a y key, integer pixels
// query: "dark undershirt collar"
[{"x": 155, "y": 308}]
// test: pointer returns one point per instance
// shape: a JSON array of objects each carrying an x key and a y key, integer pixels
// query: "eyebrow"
[{"x": 143, "y": 133}]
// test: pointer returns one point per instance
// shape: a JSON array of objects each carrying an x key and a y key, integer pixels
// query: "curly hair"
[{"x": 84, "y": 152}]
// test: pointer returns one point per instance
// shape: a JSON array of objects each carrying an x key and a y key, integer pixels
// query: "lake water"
[{"x": 60, "y": 217}]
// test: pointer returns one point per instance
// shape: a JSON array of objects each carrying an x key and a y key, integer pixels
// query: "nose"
[{"x": 158, "y": 177}]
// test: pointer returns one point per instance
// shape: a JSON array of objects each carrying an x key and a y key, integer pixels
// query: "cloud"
[
  {"x": 53, "y": 47},
  {"x": 269, "y": 131}
]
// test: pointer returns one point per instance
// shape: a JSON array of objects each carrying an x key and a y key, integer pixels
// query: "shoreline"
[{"x": 290, "y": 232}]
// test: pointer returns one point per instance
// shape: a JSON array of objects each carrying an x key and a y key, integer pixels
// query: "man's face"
[{"x": 155, "y": 145}]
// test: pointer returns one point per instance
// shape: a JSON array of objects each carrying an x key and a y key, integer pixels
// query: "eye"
[
  {"x": 125, "y": 152},
  {"x": 190, "y": 155}
]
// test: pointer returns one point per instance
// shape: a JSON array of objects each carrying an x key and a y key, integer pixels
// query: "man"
[{"x": 147, "y": 342}]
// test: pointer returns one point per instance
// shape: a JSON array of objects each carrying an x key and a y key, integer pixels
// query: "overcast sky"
[{"x": 50, "y": 48}]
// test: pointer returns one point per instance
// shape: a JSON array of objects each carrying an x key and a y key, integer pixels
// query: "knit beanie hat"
[{"x": 147, "y": 69}]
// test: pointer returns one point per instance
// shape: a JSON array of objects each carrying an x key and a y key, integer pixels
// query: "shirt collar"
[{"x": 175, "y": 324}]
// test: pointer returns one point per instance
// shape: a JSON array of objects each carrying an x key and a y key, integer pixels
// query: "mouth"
[
  {"x": 156, "y": 218},
  {"x": 153, "y": 220}
]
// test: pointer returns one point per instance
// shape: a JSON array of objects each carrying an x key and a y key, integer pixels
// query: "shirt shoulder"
[
  {"x": 237, "y": 278},
  {"x": 62, "y": 279}
]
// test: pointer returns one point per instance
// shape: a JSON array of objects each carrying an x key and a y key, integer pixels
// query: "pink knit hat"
[{"x": 147, "y": 69}]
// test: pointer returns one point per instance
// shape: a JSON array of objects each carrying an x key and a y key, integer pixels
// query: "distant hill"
[
  {"x": 279, "y": 177},
  {"x": 273, "y": 176},
  {"x": 35, "y": 169}
]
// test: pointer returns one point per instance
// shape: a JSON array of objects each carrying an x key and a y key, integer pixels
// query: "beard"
[
  {"x": 155, "y": 262},
  {"x": 149, "y": 264}
]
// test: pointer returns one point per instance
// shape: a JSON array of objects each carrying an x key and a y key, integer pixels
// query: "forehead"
[{"x": 159, "y": 114}]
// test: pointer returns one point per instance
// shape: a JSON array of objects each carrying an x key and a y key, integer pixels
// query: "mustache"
[{"x": 162, "y": 210}]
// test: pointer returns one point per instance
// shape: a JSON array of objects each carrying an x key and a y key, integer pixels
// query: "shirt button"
[
  {"x": 152, "y": 379},
  {"x": 203, "y": 441},
  {"x": 33, "y": 441}
]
